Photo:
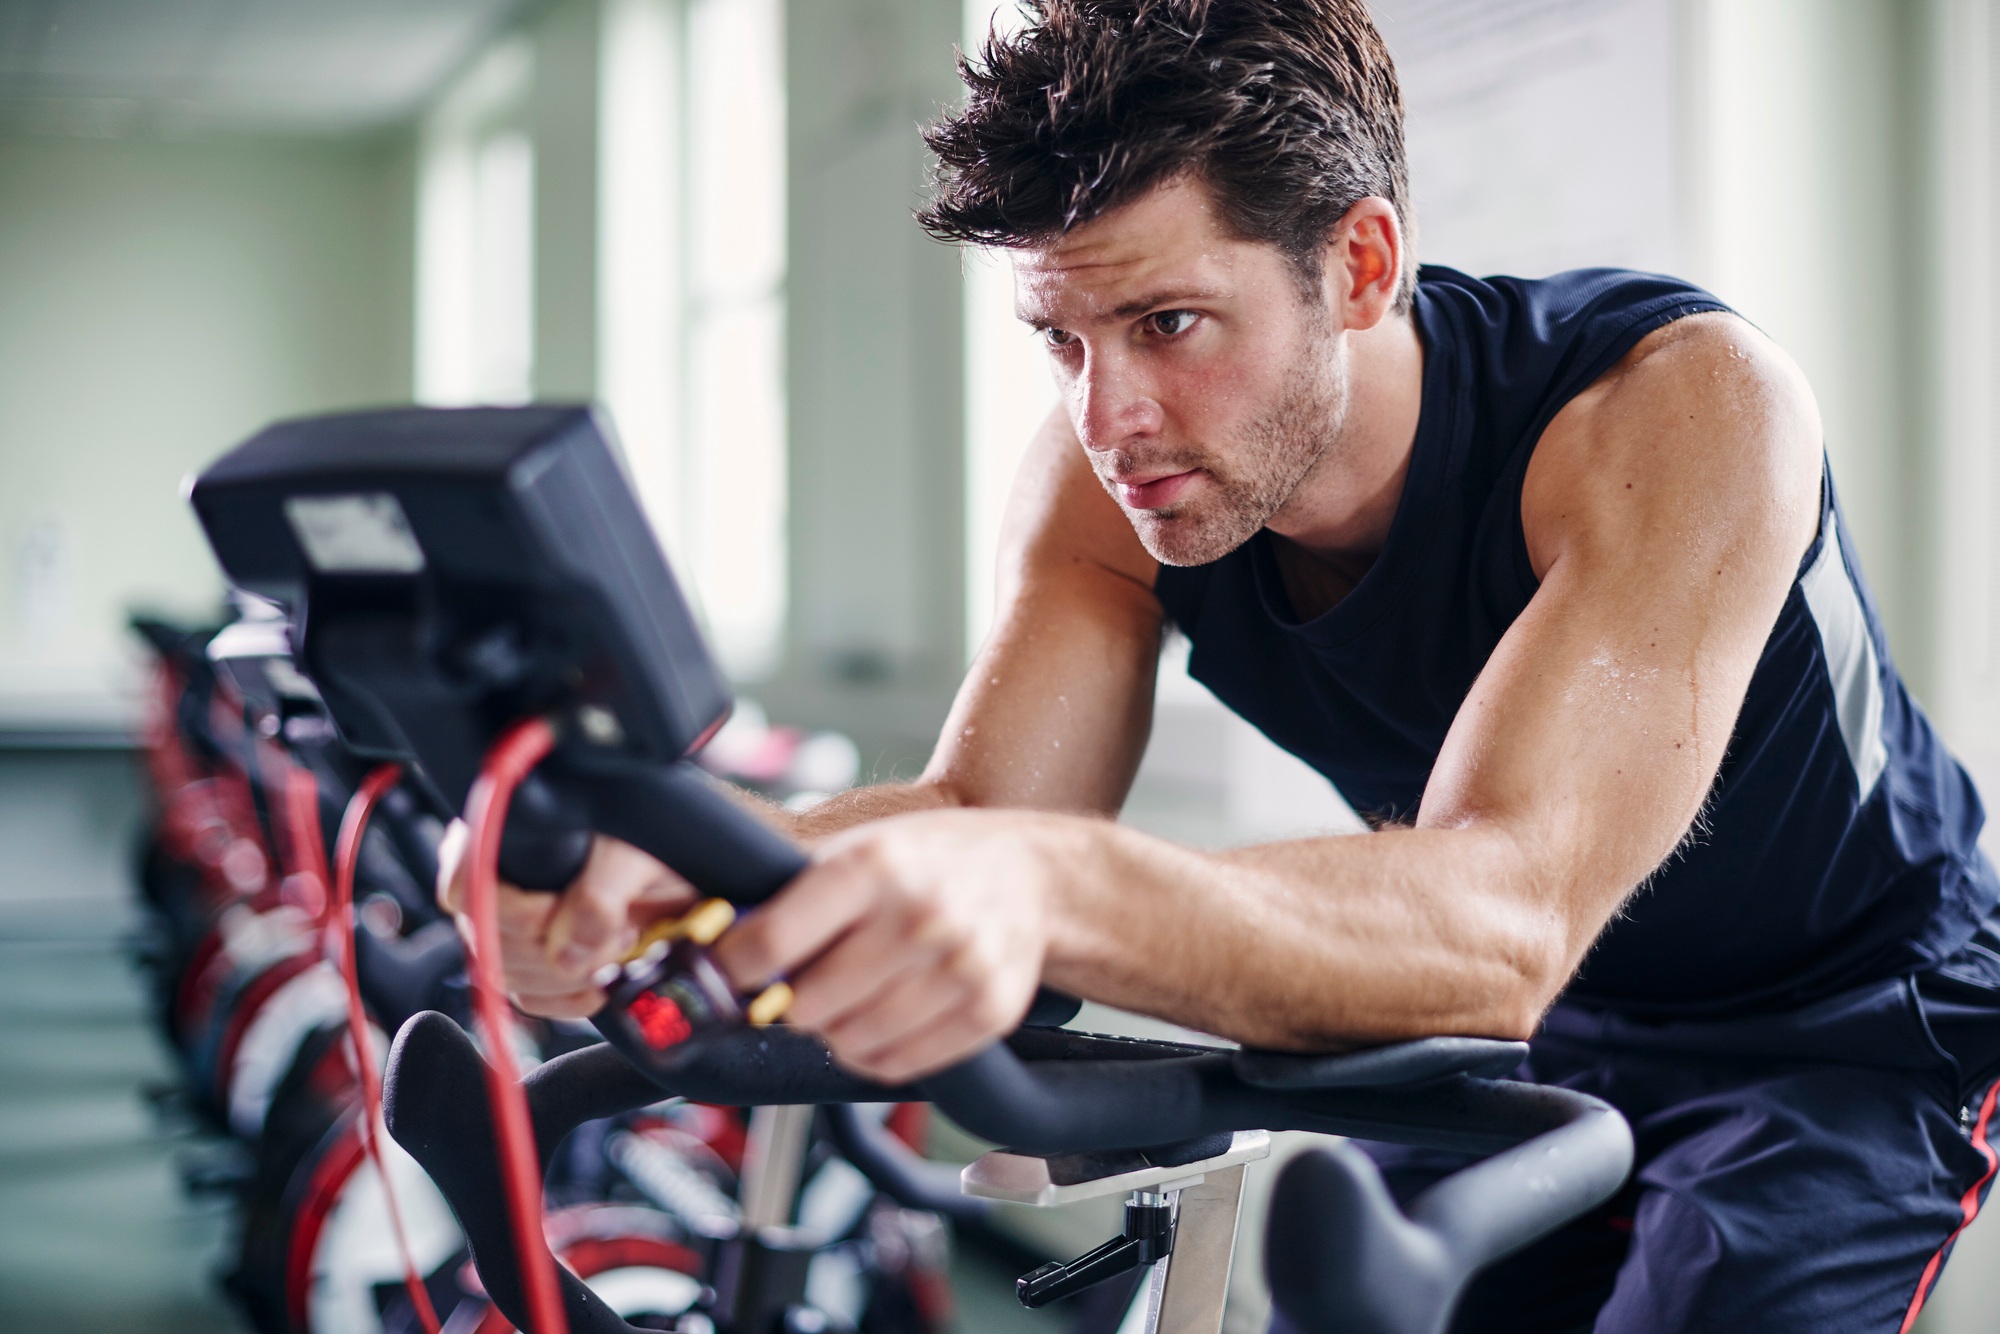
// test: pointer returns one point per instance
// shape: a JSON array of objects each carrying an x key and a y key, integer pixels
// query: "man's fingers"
[
  {"x": 594, "y": 923},
  {"x": 858, "y": 968},
  {"x": 530, "y": 971},
  {"x": 561, "y": 1004},
  {"x": 451, "y": 867},
  {"x": 552, "y": 944},
  {"x": 814, "y": 911},
  {"x": 871, "y": 1033},
  {"x": 523, "y": 914}
]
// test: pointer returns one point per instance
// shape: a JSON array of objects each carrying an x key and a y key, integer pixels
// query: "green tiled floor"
[
  {"x": 983, "y": 1283},
  {"x": 95, "y": 1233}
]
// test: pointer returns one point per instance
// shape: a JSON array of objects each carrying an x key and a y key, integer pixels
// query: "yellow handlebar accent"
[
  {"x": 710, "y": 918},
  {"x": 770, "y": 1005},
  {"x": 703, "y": 924}
]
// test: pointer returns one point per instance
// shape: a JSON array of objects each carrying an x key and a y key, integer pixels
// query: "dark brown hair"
[{"x": 1287, "y": 109}]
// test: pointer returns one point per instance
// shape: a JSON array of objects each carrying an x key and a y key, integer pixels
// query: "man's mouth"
[{"x": 1141, "y": 492}]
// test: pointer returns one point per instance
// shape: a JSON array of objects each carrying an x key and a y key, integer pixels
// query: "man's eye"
[
  {"x": 1058, "y": 337},
  {"x": 1171, "y": 322}
]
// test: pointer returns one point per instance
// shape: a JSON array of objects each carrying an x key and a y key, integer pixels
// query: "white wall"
[
  {"x": 873, "y": 380},
  {"x": 644, "y": 243},
  {"x": 1808, "y": 222},
  {"x": 1956, "y": 378},
  {"x": 1955, "y": 383},
  {"x": 161, "y": 301},
  {"x": 1507, "y": 176}
]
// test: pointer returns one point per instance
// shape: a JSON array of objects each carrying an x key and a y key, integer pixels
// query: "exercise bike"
[
  {"x": 633, "y": 1203},
  {"x": 476, "y": 596}
]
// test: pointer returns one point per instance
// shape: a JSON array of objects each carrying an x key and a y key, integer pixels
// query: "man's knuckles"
[
  {"x": 967, "y": 961},
  {"x": 991, "y": 1013},
  {"x": 749, "y": 953},
  {"x": 929, "y": 922}
]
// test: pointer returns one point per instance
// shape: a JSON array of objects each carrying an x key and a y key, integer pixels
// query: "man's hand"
[
  {"x": 911, "y": 943},
  {"x": 551, "y": 945}
]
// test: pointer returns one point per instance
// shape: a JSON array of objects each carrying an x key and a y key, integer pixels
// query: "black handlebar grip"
[
  {"x": 748, "y": 1067},
  {"x": 683, "y": 817},
  {"x": 899, "y": 1171},
  {"x": 1331, "y": 1221},
  {"x": 434, "y": 1102},
  {"x": 675, "y": 812},
  {"x": 547, "y": 838},
  {"x": 1051, "y": 1009},
  {"x": 1059, "y": 1106},
  {"x": 1342, "y": 1258}
]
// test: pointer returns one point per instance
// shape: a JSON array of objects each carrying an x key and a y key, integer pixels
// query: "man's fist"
[
  {"x": 911, "y": 943},
  {"x": 551, "y": 945}
]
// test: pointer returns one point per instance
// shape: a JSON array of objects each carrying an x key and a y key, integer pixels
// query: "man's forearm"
[
  {"x": 1309, "y": 943},
  {"x": 859, "y": 805},
  {"x": 846, "y": 809}
]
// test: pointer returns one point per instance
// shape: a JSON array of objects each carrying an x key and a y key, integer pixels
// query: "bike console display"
[
  {"x": 447, "y": 574},
  {"x": 456, "y": 570}
]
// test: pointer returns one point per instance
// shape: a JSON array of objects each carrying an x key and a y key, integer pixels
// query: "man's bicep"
[
  {"x": 1672, "y": 509},
  {"x": 1055, "y": 711},
  {"x": 1592, "y": 737}
]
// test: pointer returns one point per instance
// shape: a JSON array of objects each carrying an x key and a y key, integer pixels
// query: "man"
[{"x": 1547, "y": 576}]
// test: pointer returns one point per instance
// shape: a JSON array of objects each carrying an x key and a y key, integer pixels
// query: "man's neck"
[{"x": 1341, "y": 513}]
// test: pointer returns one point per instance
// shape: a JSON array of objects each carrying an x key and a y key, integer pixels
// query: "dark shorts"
[{"x": 1800, "y": 1172}]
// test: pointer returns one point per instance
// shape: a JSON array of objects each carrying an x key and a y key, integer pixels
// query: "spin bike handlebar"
[
  {"x": 1555, "y": 1153},
  {"x": 1559, "y": 1152},
  {"x": 447, "y": 574}
]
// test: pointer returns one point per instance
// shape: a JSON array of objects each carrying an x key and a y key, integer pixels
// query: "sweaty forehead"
[{"x": 1168, "y": 239}]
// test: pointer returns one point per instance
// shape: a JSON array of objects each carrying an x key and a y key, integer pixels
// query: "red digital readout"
[{"x": 660, "y": 1021}]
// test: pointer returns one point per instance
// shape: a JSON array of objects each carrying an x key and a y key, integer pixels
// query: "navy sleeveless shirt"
[{"x": 1839, "y": 845}]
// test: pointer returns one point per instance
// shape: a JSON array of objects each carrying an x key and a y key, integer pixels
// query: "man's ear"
[{"x": 1364, "y": 264}]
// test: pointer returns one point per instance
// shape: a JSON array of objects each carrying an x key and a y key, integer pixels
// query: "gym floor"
[
  {"x": 97, "y": 1235},
  {"x": 95, "y": 1231}
]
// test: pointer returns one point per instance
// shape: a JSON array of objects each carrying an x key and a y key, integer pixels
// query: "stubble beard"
[{"x": 1260, "y": 472}]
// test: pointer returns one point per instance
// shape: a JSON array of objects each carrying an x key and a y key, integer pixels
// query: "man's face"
[{"x": 1203, "y": 384}]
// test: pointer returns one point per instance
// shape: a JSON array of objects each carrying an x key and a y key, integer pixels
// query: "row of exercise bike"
[{"x": 243, "y": 953}]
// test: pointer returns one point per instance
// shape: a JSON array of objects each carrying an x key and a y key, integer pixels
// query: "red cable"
[
  {"x": 511, "y": 759},
  {"x": 340, "y": 942},
  {"x": 304, "y": 838}
]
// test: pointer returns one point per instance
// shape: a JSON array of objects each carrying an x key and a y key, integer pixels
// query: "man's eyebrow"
[{"x": 1164, "y": 299}]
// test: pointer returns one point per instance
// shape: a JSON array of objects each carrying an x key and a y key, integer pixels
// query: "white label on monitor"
[{"x": 355, "y": 534}]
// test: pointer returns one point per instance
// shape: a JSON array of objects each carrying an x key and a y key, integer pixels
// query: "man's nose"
[{"x": 1115, "y": 404}]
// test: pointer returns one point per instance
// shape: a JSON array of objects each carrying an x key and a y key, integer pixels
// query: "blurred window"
[
  {"x": 691, "y": 300},
  {"x": 1008, "y": 388},
  {"x": 475, "y": 336}
]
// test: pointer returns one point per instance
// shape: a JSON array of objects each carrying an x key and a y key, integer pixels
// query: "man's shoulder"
[
  {"x": 1569, "y": 290},
  {"x": 1703, "y": 422},
  {"x": 1578, "y": 313},
  {"x": 1518, "y": 350}
]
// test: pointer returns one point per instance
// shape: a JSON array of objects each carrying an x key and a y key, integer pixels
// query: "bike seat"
[
  {"x": 1400, "y": 1065},
  {"x": 1046, "y": 1180}
]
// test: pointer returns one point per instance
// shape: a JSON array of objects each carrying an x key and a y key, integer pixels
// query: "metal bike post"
[
  {"x": 773, "y": 1158},
  {"x": 1187, "y": 1293}
]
